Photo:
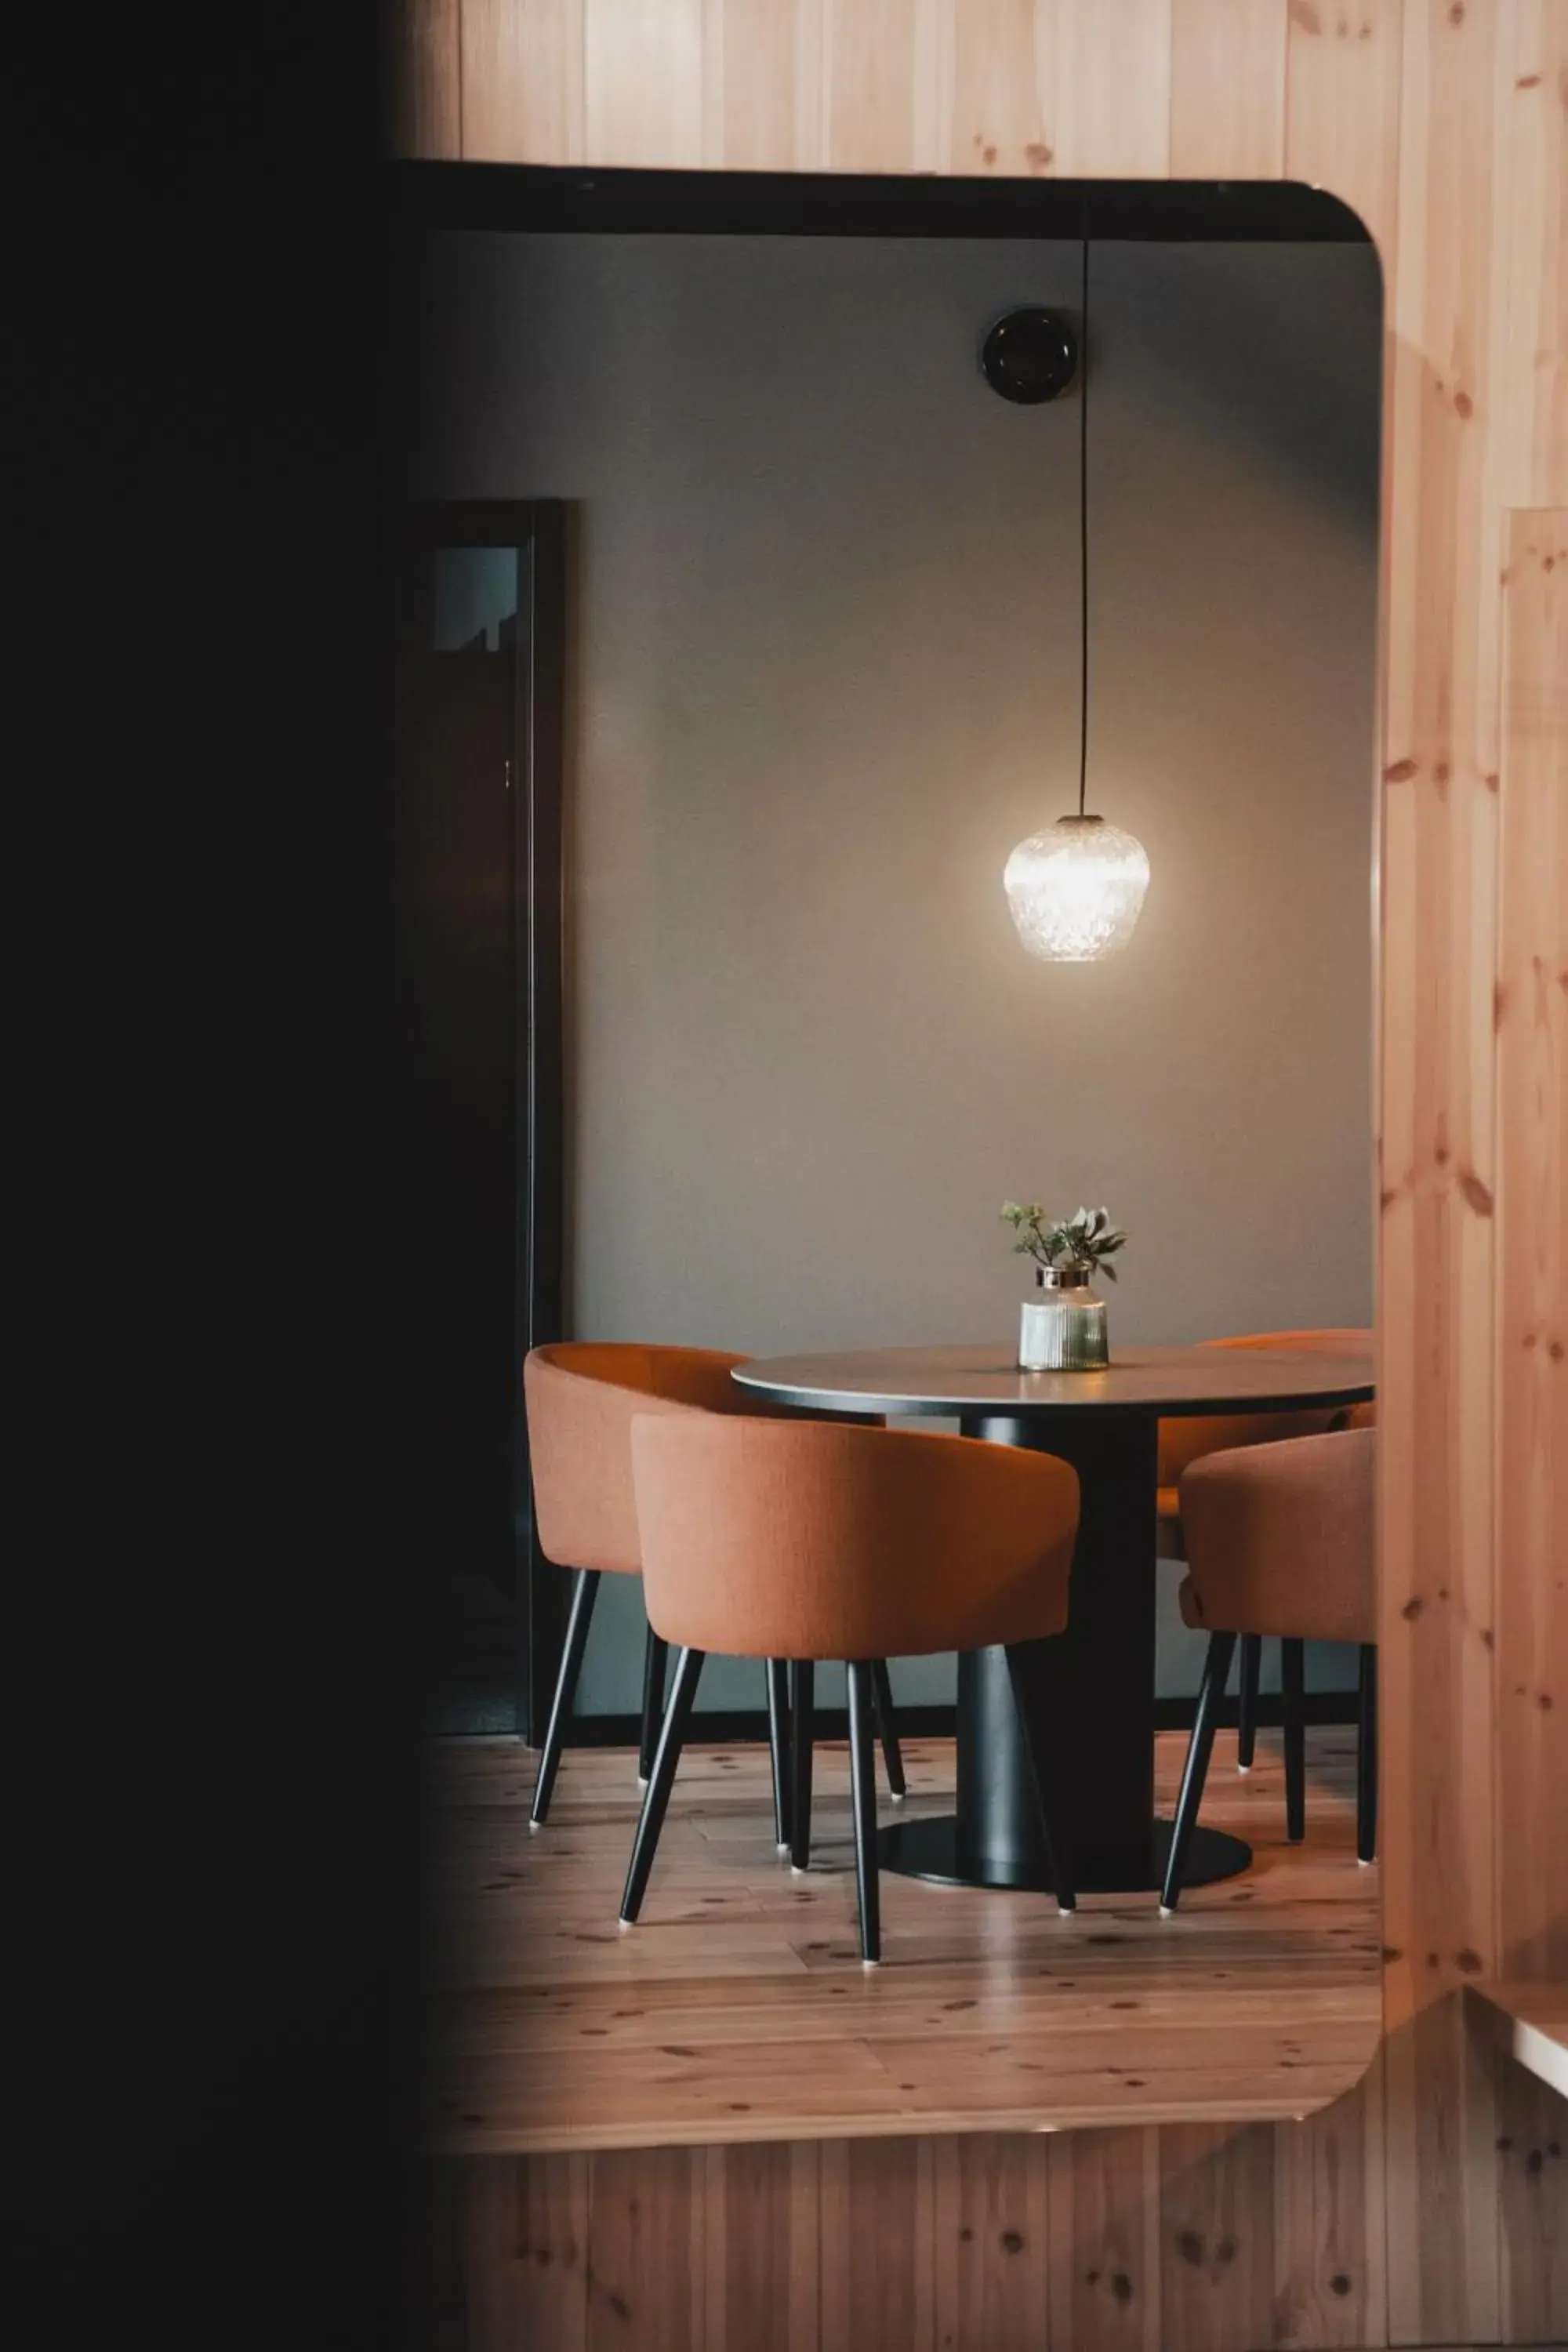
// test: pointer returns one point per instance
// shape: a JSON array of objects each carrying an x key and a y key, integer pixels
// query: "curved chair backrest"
[
  {"x": 580, "y": 1395},
  {"x": 1281, "y": 1538},
  {"x": 784, "y": 1540},
  {"x": 1183, "y": 1441}
]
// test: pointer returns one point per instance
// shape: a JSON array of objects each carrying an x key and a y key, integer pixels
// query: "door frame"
[
  {"x": 429, "y": 199},
  {"x": 536, "y": 527}
]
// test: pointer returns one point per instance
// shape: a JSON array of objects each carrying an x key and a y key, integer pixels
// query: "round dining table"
[{"x": 1101, "y": 1670}]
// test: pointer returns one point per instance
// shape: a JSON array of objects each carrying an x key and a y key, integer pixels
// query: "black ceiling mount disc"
[{"x": 1029, "y": 356}]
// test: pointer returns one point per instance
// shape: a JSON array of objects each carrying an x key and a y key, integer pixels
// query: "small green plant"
[{"x": 1086, "y": 1238}]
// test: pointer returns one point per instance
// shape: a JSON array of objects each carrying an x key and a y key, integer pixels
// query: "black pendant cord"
[{"x": 1083, "y": 533}]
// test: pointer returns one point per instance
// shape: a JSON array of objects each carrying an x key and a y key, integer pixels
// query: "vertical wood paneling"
[
  {"x": 522, "y": 81},
  {"x": 764, "y": 84},
  {"x": 1104, "y": 2195},
  {"x": 989, "y": 2241},
  {"x": 526, "y": 2275},
  {"x": 423, "y": 79},
  {"x": 1228, "y": 89},
  {"x": 1532, "y": 2144},
  {"x": 884, "y": 63},
  {"x": 1341, "y": 105},
  {"x": 1532, "y": 1630},
  {"x": 1001, "y": 57},
  {"x": 647, "y": 2265},
  {"x": 1328, "y": 2224},
  {"x": 1182, "y": 2239},
  {"x": 763, "y": 2255},
  {"x": 876, "y": 2234},
  {"x": 1216, "y": 2236},
  {"x": 1536, "y": 86},
  {"x": 1436, "y": 1297},
  {"x": 1109, "y": 89},
  {"x": 642, "y": 82}
]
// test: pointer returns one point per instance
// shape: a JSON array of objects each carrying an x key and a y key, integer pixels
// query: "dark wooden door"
[
  {"x": 453, "y": 1148},
  {"x": 475, "y": 1148}
]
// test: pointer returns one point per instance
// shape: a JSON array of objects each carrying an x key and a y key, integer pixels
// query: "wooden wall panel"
[
  {"x": 1341, "y": 105},
  {"x": 525, "y": 2277},
  {"x": 876, "y": 2234},
  {"x": 522, "y": 92},
  {"x": 1438, "y": 1184},
  {"x": 764, "y": 89},
  {"x": 647, "y": 2262},
  {"x": 761, "y": 2243},
  {"x": 1444, "y": 123},
  {"x": 1532, "y": 1630},
  {"x": 1330, "y": 2283},
  {"x": 1228, "y": 91},
  {"x": 644, "y": 82},
  {"x": 1535, "y": 83},
  {"x": 1000, "y": 76},
  {"x": 1104, "y": 2287},
  {"x": 1533, "y": 2141},
  {"x": 423, "y": 76},
  {"x": 1110, "y": 74},
  {"x": 990, "y": 2238},
  {"x": 884, "y": 62},
  {"x": 1216, "y": 2236},
  {"x": 1184, "y": 2238}
]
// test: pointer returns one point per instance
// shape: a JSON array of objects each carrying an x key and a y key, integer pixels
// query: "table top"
[{"x": 1165, "y": 1381}]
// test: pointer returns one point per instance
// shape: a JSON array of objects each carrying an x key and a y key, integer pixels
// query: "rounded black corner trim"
[{"x": 428, "y": 194}]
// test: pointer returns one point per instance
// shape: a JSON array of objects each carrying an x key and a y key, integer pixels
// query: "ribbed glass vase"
[{"x": 1063, "y": 1330}]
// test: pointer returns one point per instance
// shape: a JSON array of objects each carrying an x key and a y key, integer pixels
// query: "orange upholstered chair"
[
  {"x": 771, "y": 1539},
  {"x": 1279, "y": 1540},
  {"x": 1184, "y": 1441},
  {"x": 581, "y": 1396}
]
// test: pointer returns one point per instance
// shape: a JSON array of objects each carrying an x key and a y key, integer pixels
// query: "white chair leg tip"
[
  {"x": 534, "y": 1828},
  {"x": 870, "y": 1964},
  {"x": 1364, "y": 1861},
  {"x": 794, "y": 1869},
  {"x": 1167, "y": 1910},
  {"x": 898, "y": 1795},
  {"x": 782, "y": 1846},
  {"x": 1244, "y": 1768},
  {"x": 642, "y": 1782}
]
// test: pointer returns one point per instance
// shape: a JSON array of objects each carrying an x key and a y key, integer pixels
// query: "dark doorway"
[{"x": 476, "y": 699}]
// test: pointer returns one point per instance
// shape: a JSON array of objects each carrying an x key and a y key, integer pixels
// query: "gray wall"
[{"x": 825, "y": 637}]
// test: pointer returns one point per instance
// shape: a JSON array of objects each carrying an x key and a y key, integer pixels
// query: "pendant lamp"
[{"x": 1076, "y": 889}]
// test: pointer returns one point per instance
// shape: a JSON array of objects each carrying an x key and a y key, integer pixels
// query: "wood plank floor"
[{"x": 738, "y": 2009}]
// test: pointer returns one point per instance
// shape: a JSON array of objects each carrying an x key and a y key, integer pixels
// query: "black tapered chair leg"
[
  {"x": 655, "y": 1653},
  {"x": 1293, "y": 1714},
  {"x": 1366, "y": 1759},
  {"x": 888, "y": 1727},
  {"x": 1200, "y": 1746},
  {"x": 1025, "y": 1664},
  {"x": 802, "y": 1712},
  {"x": 667, "y": 1755},
  {"x": 863, "y": 1791},
  {"x": 584, "y": 1592},
  {"x": 1247, "y": 1700},
  {"x": 778, "y": 1746}
]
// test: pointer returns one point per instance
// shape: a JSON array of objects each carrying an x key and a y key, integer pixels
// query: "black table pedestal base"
[{"x": 931, "y": 1848}]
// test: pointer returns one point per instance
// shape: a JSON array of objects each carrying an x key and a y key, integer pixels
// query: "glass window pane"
[{"x": 476, "y": 596}]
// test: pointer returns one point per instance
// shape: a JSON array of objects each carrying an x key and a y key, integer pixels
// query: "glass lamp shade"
[{"x": 1075, "y": 891}]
